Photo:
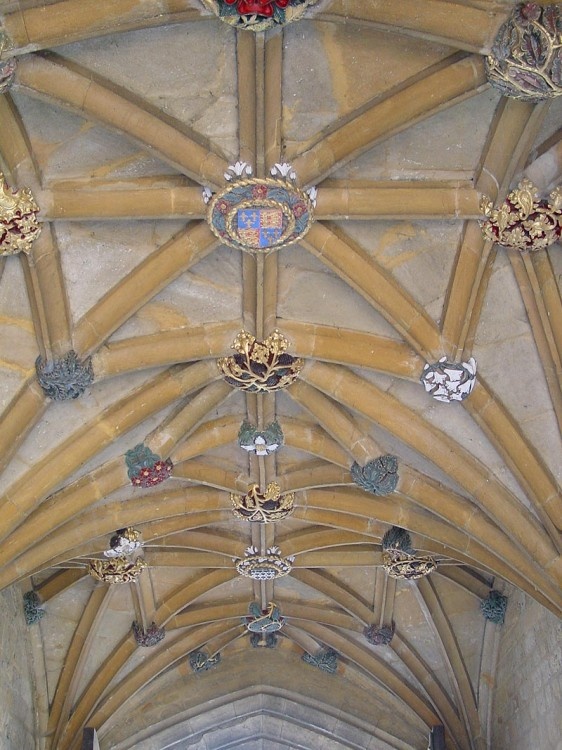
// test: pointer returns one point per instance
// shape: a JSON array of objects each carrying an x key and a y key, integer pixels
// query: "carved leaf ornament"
[
  {"x": 379, "y": 476},
  {"x": 526, "y": 59},
  {"x": 66, "y": 378}
]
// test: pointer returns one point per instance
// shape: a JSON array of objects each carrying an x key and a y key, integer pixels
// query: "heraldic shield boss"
[{"x": 259, "y": 215}]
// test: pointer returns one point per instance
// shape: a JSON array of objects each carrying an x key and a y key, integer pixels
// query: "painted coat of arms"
[
  {"x": 259, "y": 215},
  {"x": 260, "y": 227}
]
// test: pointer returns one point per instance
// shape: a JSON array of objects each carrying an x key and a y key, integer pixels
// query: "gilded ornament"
[
  {"x": 523, "y": 221},
  {"x": 148, "y": 637},
  {"x": 260, "y": 366},
  {"x": 326, "y": 660},
  {"x": 449, "y": 381},
  {"x": 400, "y": 560},
  {"x": 19, "y": 226},
  {"x": 261, "y": 442},
  {"x": 259, "y": 215},
  {"x": 258, "y": 15},
  {"x": 379, "y": 476},
  {"x": 264, "y": 621},
  {"x": 264, "y": 567},
  {"x": 263, "y": 507},
  {"x": 116, "y": 570},
  {"x": 66, "y": 378},
  {"x": 526, "y": 58},
  {"x": 145, "y": 468}
]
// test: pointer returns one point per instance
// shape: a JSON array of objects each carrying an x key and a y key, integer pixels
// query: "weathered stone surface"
[
  {"x": 528, "y": 698},
  {"x": 17, "y": 714}
]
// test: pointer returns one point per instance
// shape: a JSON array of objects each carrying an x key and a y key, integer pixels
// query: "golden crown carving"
[
  {"x": 18, "y": 219},
  {"x": 264, "y": 567},
  {"x": 523, "y": 221},
  {"x": 117, "y": 570}
]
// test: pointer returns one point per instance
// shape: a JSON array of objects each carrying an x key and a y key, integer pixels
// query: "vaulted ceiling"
[{"x": 119, "y": 114}]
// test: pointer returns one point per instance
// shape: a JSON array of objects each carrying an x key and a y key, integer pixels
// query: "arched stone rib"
[
  {"x": 154, "y": 273},
  {"x": 350, "y": 262},
  {"x": 58, "y": 583},
  {"x": 440, "y": 698},
  {"x": 52, "y": 78},
  {"x": 41, "y": 266},
  {"x": 438, "y": 621},
  {"x": 434, "y": 89},
  {"x": 35, "y": 485},
  {"x": 426, "y": 492},
  {"x": 460, "y": 26},
  {"x": 61, "y": 546},
  {"x": 112, "y": 475},
  {"x": 510, "y": 138},
  {"x": 400, "y": 200},
  {"x": 69, "y": 21},
  {"x": 19, "y": 417},
  {"x": 73, "y": 666},
  {"x": 365, "y": 659},
  {"x": 324, "y": 507},
  {"x": 89, "y": 707},
  {"x": 130, "y": 199},
  {"x": 548, "y": 340},
  {"x": 494, "y": 499}
]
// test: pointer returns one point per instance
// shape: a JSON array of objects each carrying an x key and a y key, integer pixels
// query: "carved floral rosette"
[
  {"x": 145, "y": 468},
  {"x": 379, "y": 476},
  {"x": 263, "y": 507},
  {"x": 261, "y": 442},
  {"x": 200, "y": 661},
  {"x": 258, "y": 15},
  {"x": 66, "y": 378},
  {"x": 449, "y": 381},
  {"x": 524, "y": 222},
  {"x": 260, "y": 366},
  {"x": 379, "y": 636},
  {"x": 526, "y": 59},
  {"x": 124, "y": 542},
  {"x": 7, "y": 72},
  {"x": 264, "y": 621},
  {"x": 116, "y": 570},
  {"x": 325, "y": 659},
  {"x": 259, "y": 215},
  {"x": 149, "y": 637},
  {"x": 19, "y": 226},
  {"x": 264, "y": 567}
]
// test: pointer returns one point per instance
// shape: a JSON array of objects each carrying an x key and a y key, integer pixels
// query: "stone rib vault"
[{"x": 118, "y": 116}]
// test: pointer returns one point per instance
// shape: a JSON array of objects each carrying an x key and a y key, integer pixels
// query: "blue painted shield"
[{"x": 260, "y": 227}]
